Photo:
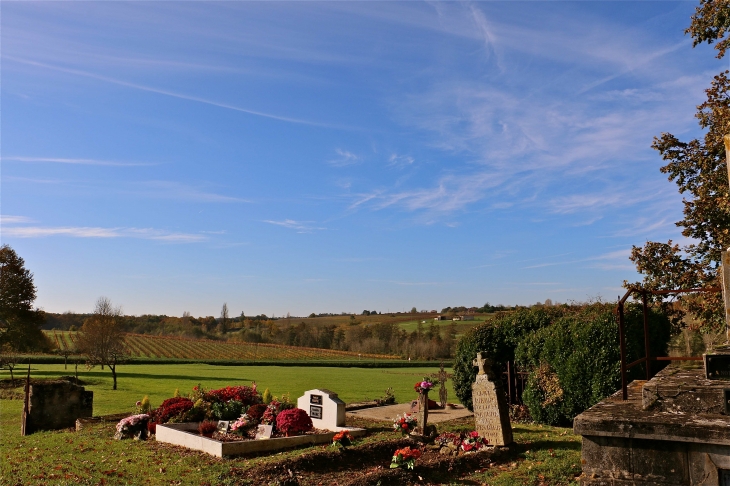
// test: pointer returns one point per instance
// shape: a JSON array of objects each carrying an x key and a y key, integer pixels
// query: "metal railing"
[{"x": 645, "y": 309}]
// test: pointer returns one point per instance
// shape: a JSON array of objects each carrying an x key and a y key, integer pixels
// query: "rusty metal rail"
[{"x": 647, "y": 352}]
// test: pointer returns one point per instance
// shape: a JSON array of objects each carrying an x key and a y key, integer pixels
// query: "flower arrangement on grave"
[
  {"x": 405, "y": 424},
  {"x": 293, "y": 421},
  {"x": 242, "y": 424},
  {"x": 133, "y": 426},
  {"x": 207, "y": 428},
  {"x": 387, "y": 399},
  {"x": 448, "y": 439},
  {"x": 472, "y": 442},
  {"x": 342, "y": 439},
  {"x": 171, "y": 409},
  {"x": 423, "y": 386},
  {"x": 273, "y": 409},
  {"x": 405, "y": 458},
  {"x": 227, "y": 410}
]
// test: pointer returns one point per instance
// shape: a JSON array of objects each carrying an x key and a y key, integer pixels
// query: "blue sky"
[{"x": 339, "y": 156}]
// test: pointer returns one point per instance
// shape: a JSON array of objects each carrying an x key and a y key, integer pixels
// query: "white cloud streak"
[
  {"x": 172, "y": 94},
  {"x": 299, "y": 226},
  {"x": 58, "y": 160},
  {"x": 99, "y": 232}
]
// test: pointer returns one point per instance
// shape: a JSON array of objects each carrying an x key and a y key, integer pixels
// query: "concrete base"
[
  {"x": 187, "y": 435},
  {"x": 646, "y": 442}
]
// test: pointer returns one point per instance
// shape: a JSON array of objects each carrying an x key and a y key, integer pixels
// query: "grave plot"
[{"x": 320, "y": 416}]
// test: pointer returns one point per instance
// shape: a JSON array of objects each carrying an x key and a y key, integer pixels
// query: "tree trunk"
[
  {"x": 114, "y": 375},
  {"x": 12, "y": 378},
  {"x": 65, "y": 361}
]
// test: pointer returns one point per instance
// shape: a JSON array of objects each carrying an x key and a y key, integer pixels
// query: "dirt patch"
[{"x": 364, "y": 465}]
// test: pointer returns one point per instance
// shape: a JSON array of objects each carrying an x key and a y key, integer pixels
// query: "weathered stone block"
[{"x": 57, "y": 405}]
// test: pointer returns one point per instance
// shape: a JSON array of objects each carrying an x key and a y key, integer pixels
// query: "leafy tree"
[
  {"x": 698, "y": 167},
  {"x": 710, "y": 23},
  {"x": 19, "y": 322},
  {"x": 102, "y": 338},
  {"x": 9, "y": 358}
]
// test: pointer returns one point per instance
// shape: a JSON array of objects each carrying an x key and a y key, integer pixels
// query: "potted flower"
[
  {"x": 293, "y": 421},
  {"x": 405, "y": 424},
  {"x": 405, "y": 458},
  {"x": 342, "y": 439},
  {"x": 472, "y": 442},
  {"x": 206, "y": 428}
]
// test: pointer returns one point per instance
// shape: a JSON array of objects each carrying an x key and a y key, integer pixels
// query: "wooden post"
[
  {"x": 423, "y": 411},
  {"x": 26, "y": 403}
]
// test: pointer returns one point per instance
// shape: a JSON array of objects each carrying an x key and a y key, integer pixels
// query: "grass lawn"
[
  {"x": 541, "y": 455},
  {"x": 160, "y": 381}
]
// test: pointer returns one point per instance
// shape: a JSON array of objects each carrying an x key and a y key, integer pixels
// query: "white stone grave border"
[{"x": 186, "y": 435}]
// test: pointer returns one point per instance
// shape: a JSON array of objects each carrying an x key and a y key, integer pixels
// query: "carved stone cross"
[{"x": 481, "y": 363}]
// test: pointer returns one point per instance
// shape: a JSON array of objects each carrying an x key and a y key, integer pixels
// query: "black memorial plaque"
[
  {"x": 315, "y": 399},
  {"x": 315, "y": 412},
  {"x": 717, "y": 366}
]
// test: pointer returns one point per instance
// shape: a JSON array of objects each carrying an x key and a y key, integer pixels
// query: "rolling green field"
[
  {"x": 160, "y": 381},
  {"x": 461, "y": 326}
]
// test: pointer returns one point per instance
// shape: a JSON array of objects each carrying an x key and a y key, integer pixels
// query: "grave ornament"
[{"x": 491, "y": 414}]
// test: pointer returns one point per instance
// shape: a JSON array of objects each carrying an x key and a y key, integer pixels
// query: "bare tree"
[
  {"x": 223, "y": 324},
  {"x": 101, "y": 339},
  {"x": 9, "y": 359}
]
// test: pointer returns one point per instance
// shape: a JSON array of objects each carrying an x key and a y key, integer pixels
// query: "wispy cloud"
[
  {"x": 178, "y": 190},
  {"x": 618, "y": 258},
  {"x": 400, "y": 160},
  {"x": 299, "y": 226},
  {"x": 58, "y": 160},
  {"x": 344, "y": 158},
  {"x": 99, "y": 232},
  {"x": 8, "y": 219}
]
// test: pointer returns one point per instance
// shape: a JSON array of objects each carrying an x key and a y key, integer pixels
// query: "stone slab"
[
  {"x": 681, "y": 390},
  {"x": 491, "y": 413},
  {"x": 614, "y": 417},
  {"x": 186, "y": 435},
  {"x": 390, "y": 412}
]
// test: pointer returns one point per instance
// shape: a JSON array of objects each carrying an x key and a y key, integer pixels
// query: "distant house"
[{"x": 441, "y": 318}]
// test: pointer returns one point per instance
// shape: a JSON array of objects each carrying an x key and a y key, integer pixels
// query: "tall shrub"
[{"x": 497, "y": 340}]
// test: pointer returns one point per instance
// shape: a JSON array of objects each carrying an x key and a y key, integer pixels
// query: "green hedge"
[
  {"x": 572, "y": 354},
  {"x": 575, "y": 362},
  {"x": 496, "y": 339}
]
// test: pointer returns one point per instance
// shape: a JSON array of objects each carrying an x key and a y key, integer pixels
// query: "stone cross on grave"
[
  {"x": 484, "y": 364},
  {"x": 443, "y": 376}
]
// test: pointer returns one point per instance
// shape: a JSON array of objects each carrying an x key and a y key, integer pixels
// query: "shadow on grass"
[{"x": 120, "y": 374}]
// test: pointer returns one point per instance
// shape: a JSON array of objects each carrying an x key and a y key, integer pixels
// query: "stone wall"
[{"x": 57, "y": 405}]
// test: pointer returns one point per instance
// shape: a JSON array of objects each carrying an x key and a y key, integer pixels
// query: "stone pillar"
[
  {"x": 726, "y": 254},
  {"x": 422, "y": 411}
]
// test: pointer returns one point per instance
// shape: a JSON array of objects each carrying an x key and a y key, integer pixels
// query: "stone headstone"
[
  {"x": 414, "y": 406},
  {"x": 491, "y": 413},
  {"x": 324, "y": 408}
]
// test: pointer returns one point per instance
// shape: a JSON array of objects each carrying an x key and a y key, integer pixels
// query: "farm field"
[
  {"x": 461, "y": 326},
  {"x": 150, "y": 346}
]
